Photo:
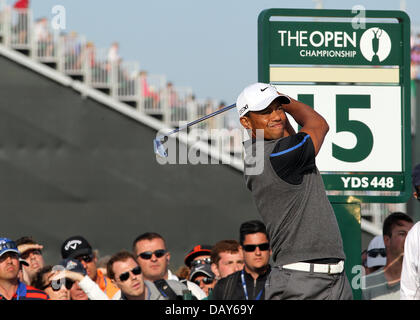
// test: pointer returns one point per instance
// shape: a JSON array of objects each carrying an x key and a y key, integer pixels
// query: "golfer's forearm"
[
  {"x": 304, "y": 115},
  {"x": 311, "y": 122}
]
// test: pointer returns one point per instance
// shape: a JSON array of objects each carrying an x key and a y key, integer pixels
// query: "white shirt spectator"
[
  {"x": 113, "y": 56},
  {"x": 91, "y": 289},
  {"x": 41, "y": 30},
  {"x": 410, "y": 277}
]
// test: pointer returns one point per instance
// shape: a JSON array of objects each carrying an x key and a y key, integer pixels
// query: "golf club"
[{"x": 157, "y": 143}]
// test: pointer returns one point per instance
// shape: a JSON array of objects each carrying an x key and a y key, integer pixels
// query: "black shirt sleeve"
[
  {"x": 293, "y": 156},
  {"x": 219, "y": 289}
]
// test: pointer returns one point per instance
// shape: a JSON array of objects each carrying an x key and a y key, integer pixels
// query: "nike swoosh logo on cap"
[{"x": 263, "y": 89}]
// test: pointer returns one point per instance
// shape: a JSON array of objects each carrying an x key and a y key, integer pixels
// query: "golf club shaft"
[{"x": 201, "y": 119}]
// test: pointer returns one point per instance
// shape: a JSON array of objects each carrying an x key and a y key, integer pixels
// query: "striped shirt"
[{"x": 25, "y": 292}]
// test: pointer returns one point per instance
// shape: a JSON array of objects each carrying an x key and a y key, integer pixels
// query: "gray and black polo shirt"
[{"x": 291, "y": 199}]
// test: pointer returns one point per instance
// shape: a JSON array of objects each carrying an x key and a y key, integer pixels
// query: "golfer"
[{"x": 290, "y": 196}]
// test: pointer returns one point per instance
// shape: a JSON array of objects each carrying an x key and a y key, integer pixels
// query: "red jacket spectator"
[
  {"x": 25, "y": 292},
  {"x": 21, "y": 4}
]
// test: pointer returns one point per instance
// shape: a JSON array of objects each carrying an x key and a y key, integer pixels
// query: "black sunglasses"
[
  {"x": 374, "y": 253},
  {"x": 200, "y": 261},
  {"x": 56, "y": 285},
  {"x": 124, "y": 276},
  {"x": 86, "y": 258},
  {"x": 205, "y": 280},
  {"x": 251, "y": 247},
  {"x": 148, "y": 254}
]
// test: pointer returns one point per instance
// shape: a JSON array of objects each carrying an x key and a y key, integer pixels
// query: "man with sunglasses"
[
  {"x": 248, "y": 283},
  {"x": 31, "y": 252},
  {"x": 68, "y": 281},
  {"x": 77, "y": 247},
  {"x": 202, "y": 275},
  {"x": 153, "y": 258},
  {"x": 290, "y": 196},
  {"x": 56, "y": 291},
  {"x": 376, "y": 255},
  {"x": 127, "y": 275},
  {"x": 384, "y": 284},
  {"x": 198, "y": 255},
  {"x": 11, "y": 288}
]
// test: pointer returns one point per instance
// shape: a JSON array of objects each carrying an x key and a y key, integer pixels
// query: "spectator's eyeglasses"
[
  {"x": 26, "y": 254},
  {"x": 56, "y": 285},
  {"x": 200, "y": 261},
  {"x": 124, "y": 276},
  {"x": 251, "y": 247},
  {"x": 148, "y": 254},
  {"x": 205, "y": 280},
  {"x": 87, "y": 258},
  {"x": 374, "y": 252}
]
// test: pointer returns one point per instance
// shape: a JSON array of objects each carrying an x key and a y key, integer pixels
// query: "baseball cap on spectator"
[
  {"x": 376, "y": 256},
  {"x": 22, "y": 261},
  {"x": 7, "y": 245},
  {"x": 73, "y": 265},
  {"x": 416, "y": 176},
  {"x": 202, "y": 269},
  {"x": 257, "y": 97},
  {"x": 200, "y": 250},
  {"x": 75, "y": 246}
]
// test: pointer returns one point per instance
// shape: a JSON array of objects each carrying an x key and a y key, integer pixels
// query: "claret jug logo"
[{"x": 375, "y": 45}]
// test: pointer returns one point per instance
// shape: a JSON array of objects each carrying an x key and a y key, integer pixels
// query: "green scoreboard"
[
  {"x": 354, "y": 69},
  {"x": 355, "y": 72}
]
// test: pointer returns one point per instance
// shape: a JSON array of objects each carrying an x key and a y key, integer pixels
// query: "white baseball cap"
[
  {"x": 257, "y": 97},
  {"x": 376, "y": 252}
]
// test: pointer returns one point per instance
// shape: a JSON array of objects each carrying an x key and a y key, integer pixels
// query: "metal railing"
[
  {"x": 45, "y": 42},
  {"x": 2, "y": 17},
  {"x": 99, "y": 70},
  {"x": 19, "y": 28},
  {"x": 128, "y": 87},
  {"x": 177, "y": 104},
  {"x": 74, "y": 56},
  {"x": 151, "y": 97}
]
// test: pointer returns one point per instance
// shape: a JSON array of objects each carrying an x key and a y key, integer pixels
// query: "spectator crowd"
[
  {"x": 230, "y": 269},
  {"x": 227, "y": 270}
]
